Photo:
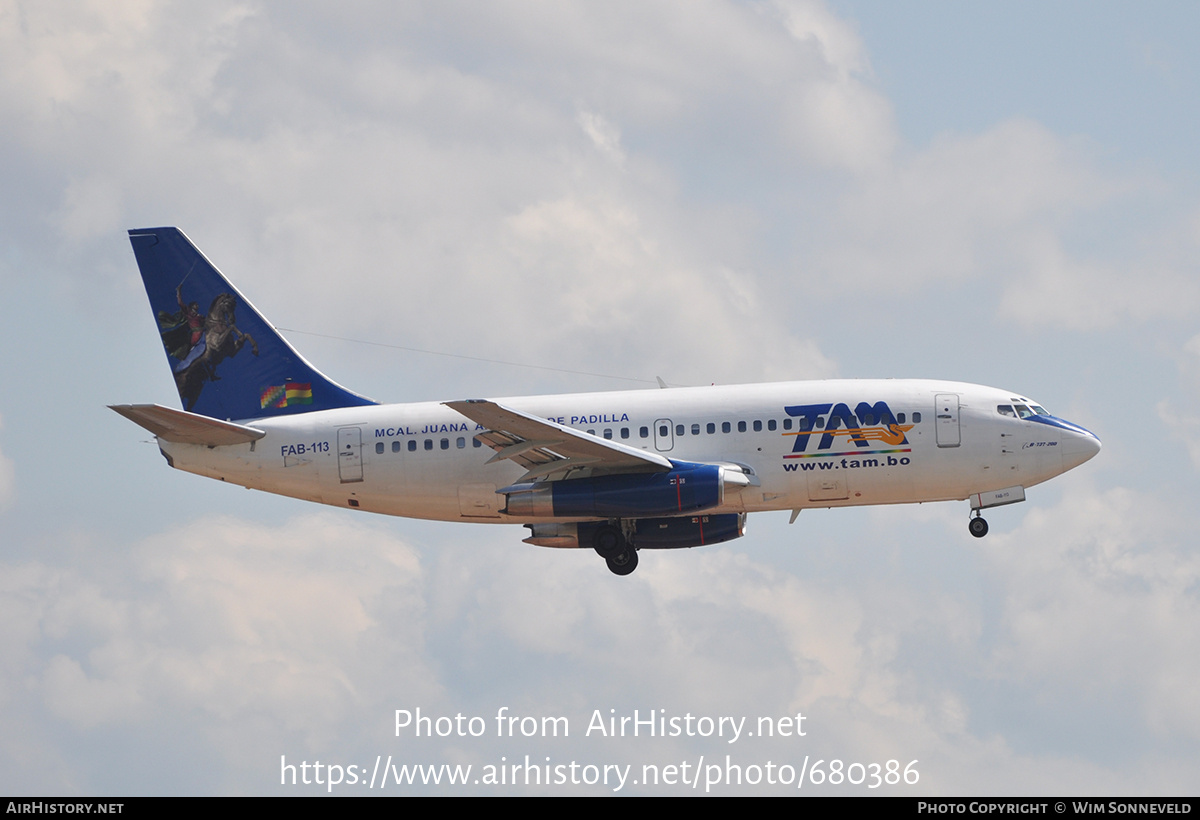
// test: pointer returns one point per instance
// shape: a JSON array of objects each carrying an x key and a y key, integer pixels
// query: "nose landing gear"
[{"x": 993, "y": 498}]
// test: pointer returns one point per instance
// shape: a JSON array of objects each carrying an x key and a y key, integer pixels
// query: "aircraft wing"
[
  {"x": 545, "y": 447},
  {"x": 185, "y": 427}
]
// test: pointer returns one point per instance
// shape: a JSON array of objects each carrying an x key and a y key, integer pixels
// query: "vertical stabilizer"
[{"x": 227, "y": 361}]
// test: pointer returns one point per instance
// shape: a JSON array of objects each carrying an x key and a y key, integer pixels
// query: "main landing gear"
[
  {"x": 612, "y": 545},
  {"x": 978, "y": 526}
]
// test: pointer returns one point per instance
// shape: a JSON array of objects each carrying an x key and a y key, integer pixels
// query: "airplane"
[{"x": 615, "y": 472}]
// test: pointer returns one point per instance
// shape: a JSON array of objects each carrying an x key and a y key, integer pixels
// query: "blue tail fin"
[{"x": 228, "y": 363}]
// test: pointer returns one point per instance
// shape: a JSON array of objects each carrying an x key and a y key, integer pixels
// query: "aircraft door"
[
  {"x": 827, "y": 487},
  {"x": 479, "y": 501},
  {"x": 664, "y": 438},
  {"x": 946, "y": 420},
  {"x": 349, "y": 444}
]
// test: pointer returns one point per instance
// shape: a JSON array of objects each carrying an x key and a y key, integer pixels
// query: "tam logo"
[{"x": 866, "y": 424}]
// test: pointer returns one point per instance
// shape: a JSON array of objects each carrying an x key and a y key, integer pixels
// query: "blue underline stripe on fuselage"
[
  {"x": 1055, "y": 421},
  {"x": 850, "y": 453}
]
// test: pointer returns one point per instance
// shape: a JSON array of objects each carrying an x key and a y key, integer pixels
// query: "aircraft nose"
[{"x": 1079, "y": 445}]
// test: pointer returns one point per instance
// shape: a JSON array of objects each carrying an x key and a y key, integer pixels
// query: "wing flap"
[
  {"x": 546, "y": 447},
  {"x": 187, "y": 428},
  {"x": 515, "y": 448}
]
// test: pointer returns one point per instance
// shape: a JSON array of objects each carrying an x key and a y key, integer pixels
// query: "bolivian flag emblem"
[{"x": 286, "y": 395}]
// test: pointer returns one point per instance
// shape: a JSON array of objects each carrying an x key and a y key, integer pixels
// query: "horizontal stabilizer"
[{"x": 185, "y": 427}]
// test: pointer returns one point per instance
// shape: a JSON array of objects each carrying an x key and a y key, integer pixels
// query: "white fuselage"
[{"x": 946, "y": 440}]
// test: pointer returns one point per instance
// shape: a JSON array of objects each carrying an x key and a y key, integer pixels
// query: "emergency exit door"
[
  {"x": 946, "y": 420},
  {"x": 350, "y": 454}
]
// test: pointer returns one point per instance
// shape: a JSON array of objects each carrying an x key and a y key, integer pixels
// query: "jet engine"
[
  {"x": 647, "y": 533},
  {"x": 686, "y": 488}
]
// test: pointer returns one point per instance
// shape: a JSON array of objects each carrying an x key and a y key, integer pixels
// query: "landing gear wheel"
[
  {"x": 623, "y": 563},
  {"x": 978, "y": 527},
  {"x": 609, "y": 542}
]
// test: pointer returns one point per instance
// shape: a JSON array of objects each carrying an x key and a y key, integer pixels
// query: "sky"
[{"x": 602, "y": 194}]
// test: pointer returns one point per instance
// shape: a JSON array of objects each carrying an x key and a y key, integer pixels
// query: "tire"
[
  {"x": 609, "y": 542},
  {"x": 623, "y": 563}
]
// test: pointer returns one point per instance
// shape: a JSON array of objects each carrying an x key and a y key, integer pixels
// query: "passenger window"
[
  {"x": 396, "y": 446},
  {"x": 771, "y": 424},
  {"x": 695, "y": 429},
  {"x": 711, "y": 428},
  {"x": 624, "y": 432},
  {"x": 428, "y": 444},
  {"x": 741, "y": 426},
  {"x": 591, "y": 432},
  {"x": 608, "y": 434},
  {"x": 476, "y": 442},
  {"x": 412, "y": 445},
  {"x": 868, "y": 420},
  {"x": 1006, "y": 410},
  {"x": 725, "y": 427},
  {"x": 916, "y": 418},
  {"x": 787, "y": 424},
  {"x": 460, "y": 443},
  {"x": 757, "y": 426},
  {"x": 680, "y": 429},
  {"x": 644, "y": 432},
  {"x": 379, "y": 448},
  {"x": 445, "y": 444},
  {"x": 900, "y": 418},
  {"x": 664, "y": 431}
]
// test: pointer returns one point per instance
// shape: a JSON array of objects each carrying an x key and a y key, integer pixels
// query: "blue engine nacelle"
[
  {"x": 686, "y": 488},
  {"x": 649, "y": 533},
  {"x": 688, "y": 531}
]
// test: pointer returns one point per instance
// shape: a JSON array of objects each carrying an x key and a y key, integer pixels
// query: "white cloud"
[
  {"x": 233, "y": 621},
  {"x": 605, "y": 136},
  {"x": 1057, "y": 290},
  {"x": 656, "y": 189},
  {"x": 1101, "y": 610},
  {"x": 885, "y": 667},
  {"x": 605, "y": 281},
  {"x": 303, "y": 638},
  {"x": 836, "y": 117},
  {"x": 425, "y": 179},
  {"x": 955, "y": 209},
  {"x": 1182, "y": 418},
  {"x": 1007, "y": 207},
  {"x": 840, "y": 46},
  {"x": 91, "y": 208}
]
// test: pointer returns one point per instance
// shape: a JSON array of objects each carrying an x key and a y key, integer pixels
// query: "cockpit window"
[{"x": 1021, "y": 410}]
